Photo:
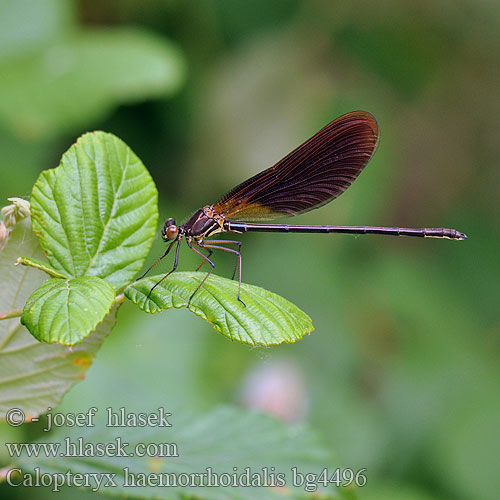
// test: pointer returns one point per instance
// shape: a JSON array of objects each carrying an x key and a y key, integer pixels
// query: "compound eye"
[{"x": 172, "y": 232}]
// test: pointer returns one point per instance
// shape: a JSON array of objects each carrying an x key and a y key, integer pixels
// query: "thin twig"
[{"x": 15, "y": 313}]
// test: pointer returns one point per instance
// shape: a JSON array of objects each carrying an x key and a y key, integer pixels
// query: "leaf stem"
[
  {"x": 120, "y": 299},
  {"x": 24, "y": 261},
  {"x": 15, "y": 313}
]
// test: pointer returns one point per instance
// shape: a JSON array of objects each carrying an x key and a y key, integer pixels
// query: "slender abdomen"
[{"x": 431, "y": 232}]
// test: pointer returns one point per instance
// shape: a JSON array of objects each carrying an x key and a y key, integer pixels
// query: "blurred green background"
[{"x": 401, "y": 375}]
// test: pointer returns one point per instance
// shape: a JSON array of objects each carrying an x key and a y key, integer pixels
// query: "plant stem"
[
  {"x": 24, "y": 261},
  {"x": 15, "y": 313}
]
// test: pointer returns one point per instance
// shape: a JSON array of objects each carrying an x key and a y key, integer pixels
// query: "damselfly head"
[{"x": 170, "y": 230}]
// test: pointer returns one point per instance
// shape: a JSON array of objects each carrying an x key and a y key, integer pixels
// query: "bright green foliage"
[
  {"x": 66, "y": 311},
  {"x": 222, "y": 439},
  {"x": 96, "y": 213},
  {"x": 95, "y": 216},
  {"x": 267, "y": 319},
  {"x": 34, "y": 375}
]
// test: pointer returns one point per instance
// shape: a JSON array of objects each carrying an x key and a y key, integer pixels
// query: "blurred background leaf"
[
  {"x": 401, "y": 374},
  {"x": 55, "y": 89},
  {"x": 226, "y": 440}
]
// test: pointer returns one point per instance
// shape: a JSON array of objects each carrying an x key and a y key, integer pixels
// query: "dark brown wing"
[{"x": 310, "y": 176}]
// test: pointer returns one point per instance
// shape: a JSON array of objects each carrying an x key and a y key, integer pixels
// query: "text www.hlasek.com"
[{"x": 81, "y": 448}]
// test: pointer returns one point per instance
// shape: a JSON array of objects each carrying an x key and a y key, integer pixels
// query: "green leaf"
[
  {"x": 35, "y": 375},
  {"x": 227, "y": 440},
  {"x": 267, "y": 319},
  {"x": 96, "y": 214},
  {"x": 55, "y": 89},
  {"x": 66, "y": 311},
  {"x": 27, "y": 25}
]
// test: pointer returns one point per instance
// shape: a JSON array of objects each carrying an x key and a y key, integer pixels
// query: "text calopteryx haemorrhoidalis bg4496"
[{"x": 309, "y": 177}]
